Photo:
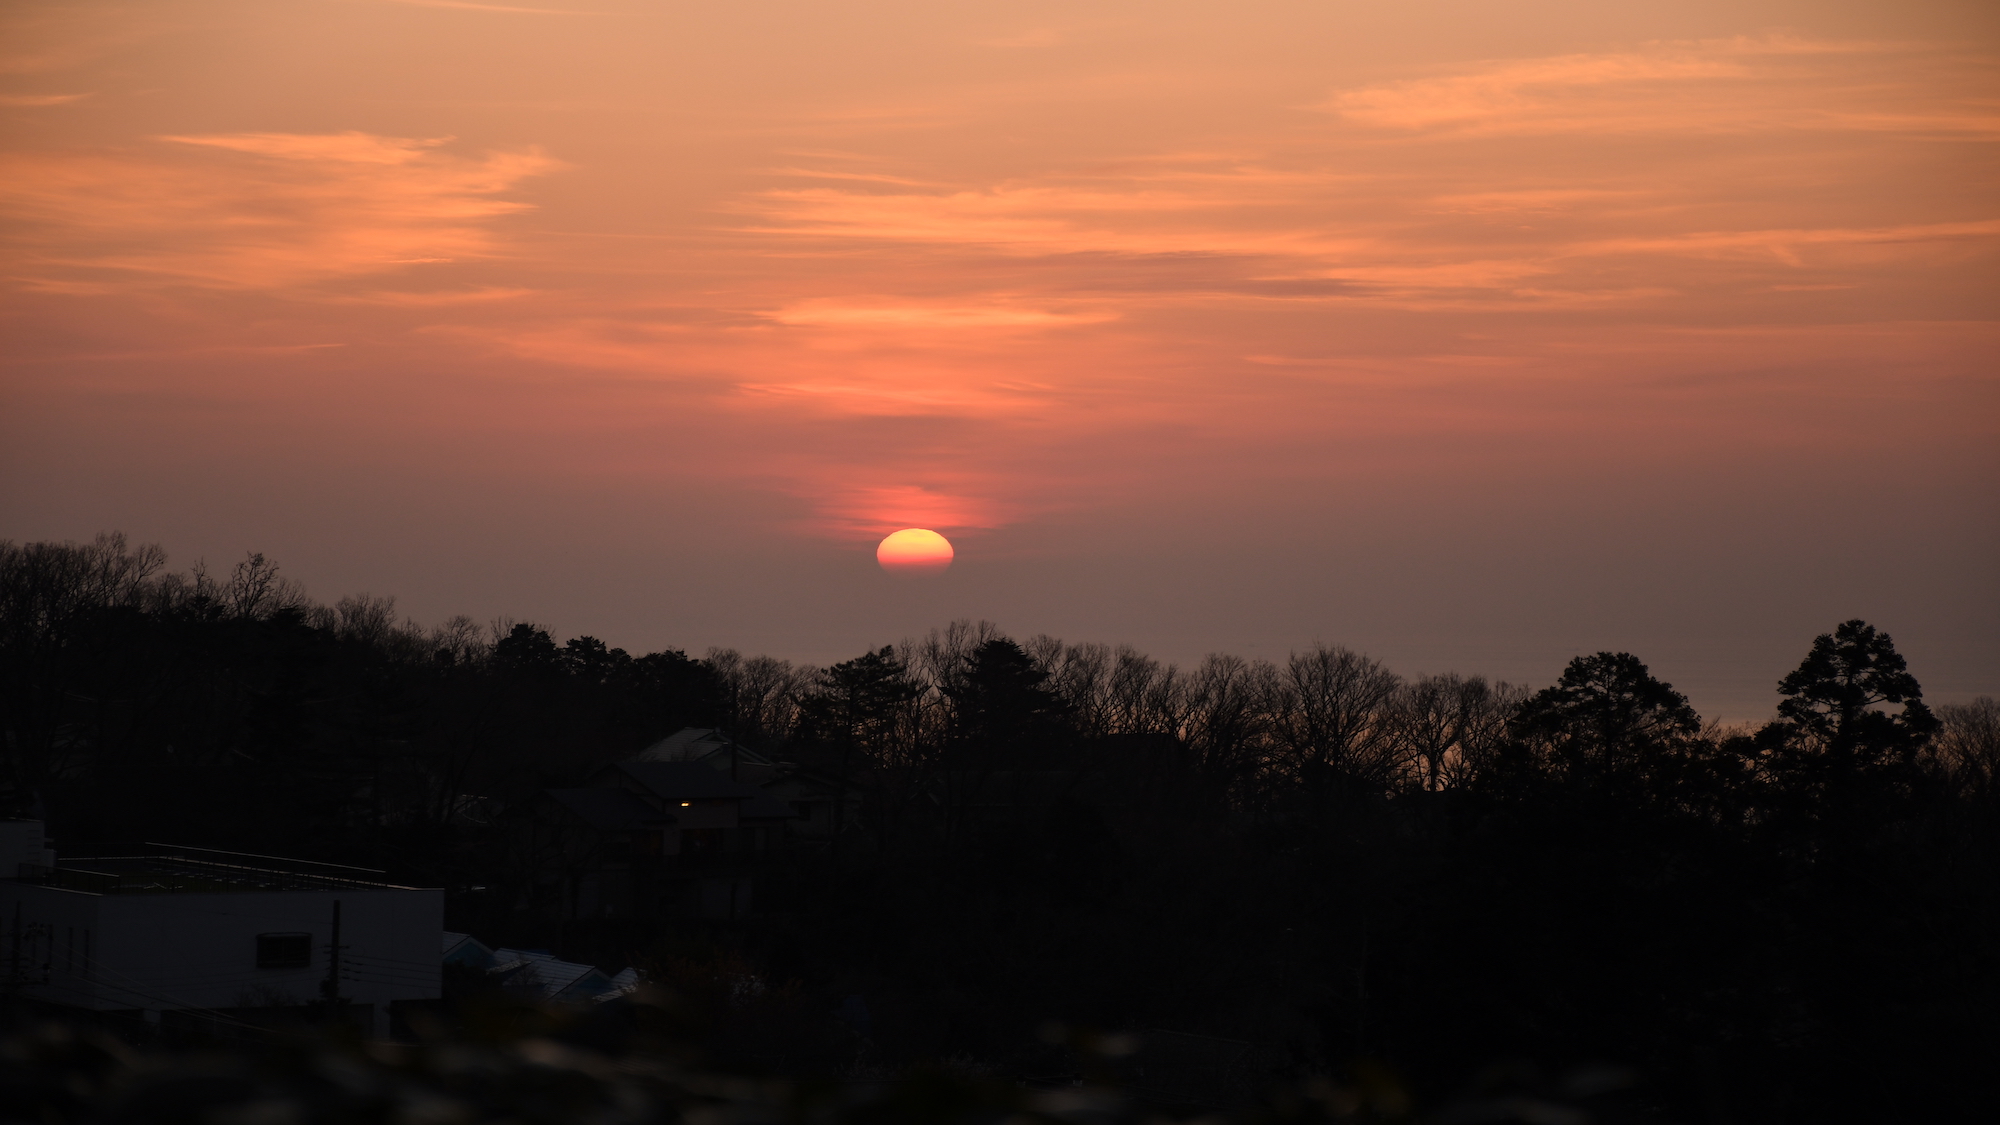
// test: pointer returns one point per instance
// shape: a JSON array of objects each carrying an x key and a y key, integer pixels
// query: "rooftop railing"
[{"x": 172, "y": 868}]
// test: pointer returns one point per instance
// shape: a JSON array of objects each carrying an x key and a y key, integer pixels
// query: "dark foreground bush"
[{"x": 628, "y": 1062}]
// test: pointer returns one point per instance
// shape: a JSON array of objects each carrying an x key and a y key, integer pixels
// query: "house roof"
[
  {"x": 684, "y": 745},
  {"x": 464, "y": 949},
  {"x": 712, "y": 748},
  {"x": 539, "y": 974},
  {"x": 170, "y": 868},
  {"x": 684, "y": 781},
  {"x": 542, "y": 976},
  {"x": 610, "y": 810}
]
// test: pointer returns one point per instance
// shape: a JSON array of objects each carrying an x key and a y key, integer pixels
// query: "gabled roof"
[
  {"x": 684, "y": 745},
  {"x": 466, "y": 950},
  {"x": 710, "y": 747},
  {"x": 542, "y": 976},
  {"x": 537, "y": 973},
  {"x": 610, "y": 810},
  {"x": 684, "y": 781}
]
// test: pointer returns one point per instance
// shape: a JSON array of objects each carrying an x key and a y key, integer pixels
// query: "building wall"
[
  {"x": 22, "y": 843},
  {"x": 706, "y": 813},
  {"x": 48, "y": 941},
  {"x": 174, "y": 951}
]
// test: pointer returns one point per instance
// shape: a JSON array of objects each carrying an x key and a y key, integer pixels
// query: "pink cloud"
[{"x": 265, "y": 210}]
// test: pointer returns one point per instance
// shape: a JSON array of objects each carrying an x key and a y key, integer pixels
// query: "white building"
[
  {"x": 22, "y": 843},
  {"x": 217, "y": 934}
]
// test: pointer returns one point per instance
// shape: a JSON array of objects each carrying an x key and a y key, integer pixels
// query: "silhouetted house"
[
  {"x": 815, "y": 799},
  {"x": 713, "y": 816},
  {"x": 813, "y": 789},
  {"x": 195, "y": 934},
  {"x": 652, "y": 839}
]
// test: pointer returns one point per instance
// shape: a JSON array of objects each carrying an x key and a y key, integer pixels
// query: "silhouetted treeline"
[
  {"x": 230, "y": 711},
  {"x": 1798, "y": 921}
]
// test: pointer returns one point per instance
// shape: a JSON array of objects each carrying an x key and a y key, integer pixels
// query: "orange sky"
[{"x": 1471, "y": 334}]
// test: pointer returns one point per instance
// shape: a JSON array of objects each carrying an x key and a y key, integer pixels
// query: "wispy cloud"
[
  {"x": 1711, "y": 86},
  {"x": 1344, "y": 216},
  {"x": 1787, "y": 244},
  {"x": 471, "y": 6},
  {"x": 904, "y": 317},
  {"x": 1534, "y": 93},
  {"x": 870, "y": 511},
  {"x": 31, "y": 101},
  {"x": 258, "y": 209}
]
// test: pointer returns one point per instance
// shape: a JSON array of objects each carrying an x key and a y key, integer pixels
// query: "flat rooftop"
[{"x": 167, "y": 869}]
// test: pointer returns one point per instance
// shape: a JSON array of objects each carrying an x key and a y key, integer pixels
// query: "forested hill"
[{"x": 1795, "y": 922}]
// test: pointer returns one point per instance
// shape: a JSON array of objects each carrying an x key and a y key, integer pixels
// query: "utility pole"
[{"x": 330, "y": 987}]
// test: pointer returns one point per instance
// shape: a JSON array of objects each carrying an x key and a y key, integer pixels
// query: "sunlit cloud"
[
  {"x": 437, "y": 298},
  {"x": 257, "y": 210},
  {"x": 472, "y": 6},
  {"x": 887, "y": 390},
  {"x": 31, "y": 101},
  {"x": 1715, "y": 86},
  {"x": 1292, "y": 221},
  {"x": 351, "y": 147},
  {"x": 1541, "y": 93},
  {"x": 909, "y": 317},
  {"x": 872, "y": 511},
  {"x": 1786, "y": 245}
]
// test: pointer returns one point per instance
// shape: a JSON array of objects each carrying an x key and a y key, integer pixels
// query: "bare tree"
[
  {"x": 1450, "y": 726},
  {"x": 46, "y": 592},
  {"x": 1223, "y": 717},
  {"x": 1079, "y": 675},
  {"x": 1143, "y": 696},
  {"x": 1485, "y": 734},
  {"x": 760, "y": 694},
  {"x": 256, "y": 590},
  {"x": 940, "y": 658},
  {"x": 1967, "y": 746},
  {"x": 458, "y": 641},
  {"x": 43, "y": 586},
  {"x": 1430, "y": 717},
  {"x": 1330, "y": 718},
  {"x": 364, "y": 618}
]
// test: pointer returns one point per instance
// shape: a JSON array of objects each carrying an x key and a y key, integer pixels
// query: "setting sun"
[{"x": 914, "y": 550}]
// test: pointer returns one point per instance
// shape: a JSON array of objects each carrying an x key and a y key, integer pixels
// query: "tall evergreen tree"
[
  {"x": 1004, "y": 701},
  {"x": 1836, "y": 739},
  {"x": 1611, "y": 727}
]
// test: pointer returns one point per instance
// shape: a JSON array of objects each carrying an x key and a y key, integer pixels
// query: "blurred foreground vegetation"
[{"x": 639, "y": 1060}]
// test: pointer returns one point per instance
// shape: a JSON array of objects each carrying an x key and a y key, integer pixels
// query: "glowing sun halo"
[{"x": 914, "y": 550}]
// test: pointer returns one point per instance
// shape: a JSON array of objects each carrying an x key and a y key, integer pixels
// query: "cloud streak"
[
  {"x": 1716, "y": 86},
  {"x": 257, "y": 210}
]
